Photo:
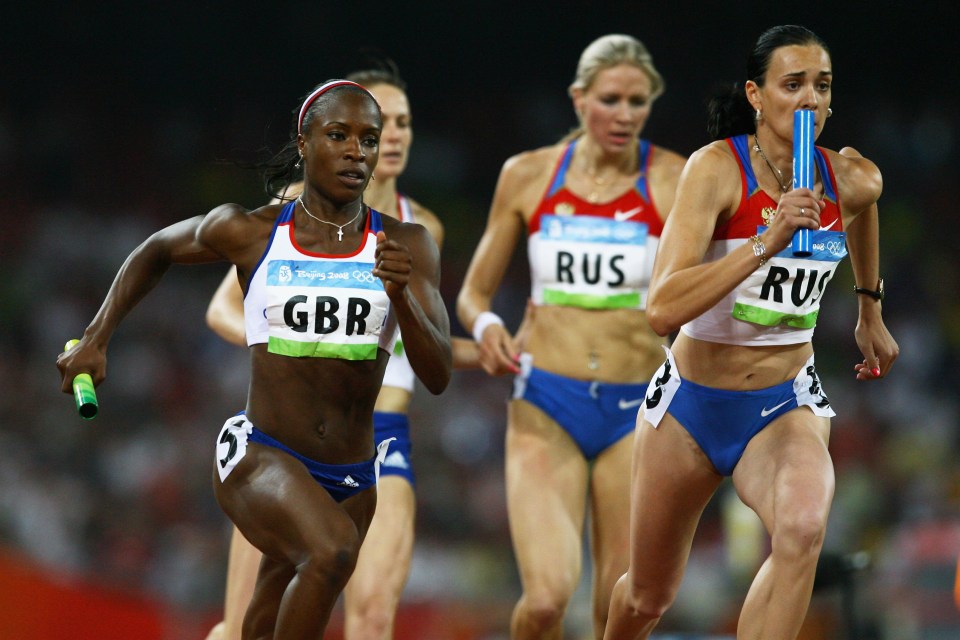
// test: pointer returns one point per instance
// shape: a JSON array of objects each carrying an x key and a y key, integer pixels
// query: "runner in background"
[{"x": 591, "y": 207}]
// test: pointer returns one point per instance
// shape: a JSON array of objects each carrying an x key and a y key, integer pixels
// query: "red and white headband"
[{"x": 319, "y": 91}]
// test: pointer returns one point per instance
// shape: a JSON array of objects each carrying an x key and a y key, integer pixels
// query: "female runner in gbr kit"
[{"x": 328, "y": 282}]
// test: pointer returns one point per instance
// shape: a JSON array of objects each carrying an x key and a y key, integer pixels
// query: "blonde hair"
[{"x": 611, "y": 50}]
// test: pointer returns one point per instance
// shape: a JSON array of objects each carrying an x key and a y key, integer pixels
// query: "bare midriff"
[
  {"x": 614, "y": 346},
  {"x": 735, "y": 367}
]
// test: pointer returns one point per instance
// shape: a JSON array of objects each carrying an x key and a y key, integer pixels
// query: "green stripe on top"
[
  {"x": 297, "y": 349},
  {"x": 587, "y": 301},
  {"x": 770, "y": 318},
  {"x": 398, "y": 348}
]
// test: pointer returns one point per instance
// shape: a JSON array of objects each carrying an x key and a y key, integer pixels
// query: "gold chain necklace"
[
  {"x": 333, "y": 224},
  {"x": 601, "y": 183},
  {"x": 777, "y": 174}
]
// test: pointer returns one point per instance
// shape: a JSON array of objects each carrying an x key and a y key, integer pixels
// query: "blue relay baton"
[{"x": 802, "y": 171}]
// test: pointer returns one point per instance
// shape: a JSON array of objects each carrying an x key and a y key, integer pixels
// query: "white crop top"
[
  {"x": 305, "y": 304},
  {"x": 399, "y": 373}
]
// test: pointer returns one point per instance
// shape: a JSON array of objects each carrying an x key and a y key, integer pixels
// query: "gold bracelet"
[{"x": 759, "y": 249}]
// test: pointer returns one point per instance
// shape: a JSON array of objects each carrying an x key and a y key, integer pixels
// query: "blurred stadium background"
[{"x": 121, "y": 117}]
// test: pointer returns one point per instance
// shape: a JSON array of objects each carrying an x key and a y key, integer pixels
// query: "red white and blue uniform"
[
  {"x": 777, "y": 304},
  {"x": 593, "y": 256}
]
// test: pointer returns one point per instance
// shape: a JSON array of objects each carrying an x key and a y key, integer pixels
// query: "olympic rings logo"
[
  {"x": 363, "y": 276},
  {"x": 835, "y": 246}
]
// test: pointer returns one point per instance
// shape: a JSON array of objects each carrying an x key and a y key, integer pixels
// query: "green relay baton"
[{"x": 83, "y": 391}]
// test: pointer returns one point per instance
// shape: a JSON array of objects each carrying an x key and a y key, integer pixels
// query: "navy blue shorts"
[
  {"x": 340, "y": 480},
  {"x": 397, "y": 426}
]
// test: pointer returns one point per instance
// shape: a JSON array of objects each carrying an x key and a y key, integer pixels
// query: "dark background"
[{"x": 118, "y": 118}]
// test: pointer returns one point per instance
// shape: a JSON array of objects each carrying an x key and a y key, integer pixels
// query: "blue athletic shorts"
[
  {"x": 723, "y": 422},
  {"x": 396, "y": 426},
  {"x": 595, "y": 414},
  {"x": 340, "y": 480}
]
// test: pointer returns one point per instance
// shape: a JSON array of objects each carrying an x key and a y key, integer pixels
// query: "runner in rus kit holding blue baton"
[{"x": 738, "y": 394}]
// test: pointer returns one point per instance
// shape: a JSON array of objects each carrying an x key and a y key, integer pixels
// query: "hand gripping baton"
[
  {"x": 83, "y": 391},
  {"x": 802, "y": 171}
]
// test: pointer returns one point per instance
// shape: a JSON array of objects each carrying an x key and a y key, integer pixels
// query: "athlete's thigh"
[
  {"x": 546, "y": 477},
  {"x": 672, "y": 482},
  {"x": 282, "y": 510},
  {"x": 787, "y": 465},
  {"x": 610, "y": 502},
  {"x": 387, "y": 549}
]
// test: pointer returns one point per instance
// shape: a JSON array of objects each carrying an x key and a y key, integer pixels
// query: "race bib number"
[
  {"x": 661, "y": 390},
  {"x": 324, "y": 309},
  {"x": 591, "y": 262},
  {"x": 787, "y": 289},
  {"x": 232, "y": 444}
]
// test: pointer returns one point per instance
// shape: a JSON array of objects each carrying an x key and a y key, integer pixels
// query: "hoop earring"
[{"x": 829, "y": 111}]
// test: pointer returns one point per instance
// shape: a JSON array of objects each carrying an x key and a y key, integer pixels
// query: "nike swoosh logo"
[
  {"x": 827, "y": 228},
  {"x": 765, "y": 412},
  {"x": 620, "y": 216},
  {"x": 629, "y": 404}
]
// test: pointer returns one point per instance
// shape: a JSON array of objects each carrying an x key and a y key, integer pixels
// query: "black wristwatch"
[{"x": 876, "y": 295}]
